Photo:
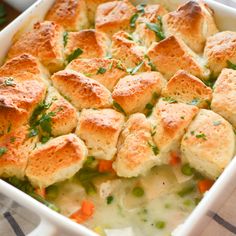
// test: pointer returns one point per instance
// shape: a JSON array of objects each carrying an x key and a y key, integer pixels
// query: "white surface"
[{"x": 226, "y": 18}]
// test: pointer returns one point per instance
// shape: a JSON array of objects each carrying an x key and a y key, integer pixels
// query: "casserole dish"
[{"x": 36, "y": 13}]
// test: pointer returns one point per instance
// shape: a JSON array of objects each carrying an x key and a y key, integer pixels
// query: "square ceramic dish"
[{"x": 53, "y": 223}]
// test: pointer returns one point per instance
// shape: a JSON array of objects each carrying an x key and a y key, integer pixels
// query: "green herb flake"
[
  {"x": 65, "y": 38},
  {"x": 101, "y": 70},
  {"x": 119, "y": 66},
  {"x": 141, "y": 8},
  {"x": 44, "y": 139},
  {"x": 3, "y": 150},
  {"x": 10, "y": 82},
  {"x": 216, "y": 123},
  {"x": 169, "y": 100},
  {"x": 182, "y": 117},
  {"x": 157, "y": 28},
  {"x": 149, "y": 106},
  {"x": 75, "y": 54},
  {"x": 133, "y": 20},
  {"x": 202, "y": 136},
  {"x": 154, "y": 148},
  {"x": 194, "y": 102},
  {"x": 231, "y": 65},
  {"x": 160, "y": 224},
  {"x": 9, "y": 128},
  {"x": 109, "y": 200},
  {"x": 138, "y": 192},
  {"x": 33, "y": 132},
  {"x": 110, "y": 66},
  {"x": 192, "y": 132},
  {"x": 134, "y": 70},
  {"x": 12, "y": 139},
  {"x": 90, "y": 160},
  {"x": 187, "y": 170},
  {"x": 153, "y": 67},
  {"x": 118, "y": 107}
]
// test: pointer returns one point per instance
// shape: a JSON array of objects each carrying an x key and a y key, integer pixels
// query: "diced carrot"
[
  {"x": 84, "y": 213},
  {"x": 41, "y": 192},
  {"x": 105, "y": 166},
  {"x": 174, "y": 159},
  {"x": 204, "y": 185}
]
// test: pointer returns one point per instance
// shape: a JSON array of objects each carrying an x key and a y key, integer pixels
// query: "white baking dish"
[{"x": 53, "y": 223}]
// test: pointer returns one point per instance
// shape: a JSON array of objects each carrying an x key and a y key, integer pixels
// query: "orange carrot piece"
[
  {"x": 105, "y": 166},
  {"x": 174, "y": 159},
  {"x": 41, "y": 192},
  {"x": 84, "y": 213},
  {"x": 204, "y": 185}
]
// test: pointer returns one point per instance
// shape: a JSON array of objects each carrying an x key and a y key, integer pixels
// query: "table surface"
[{"x": 223, "y": 223}]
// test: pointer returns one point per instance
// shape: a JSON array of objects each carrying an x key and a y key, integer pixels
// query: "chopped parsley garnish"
[
  {"x": 10, "y": 82},
  {"x": 202, "y": 135},
  {"x": 153, "y": 132},
  {"x": 169, "y": 100},
  {"x": 12, "y": 139},
  {"x": 194, "y": 102},
  {"x": 186, "y": 169},
  {"x": 3, "y": 150},
  {"x": 154, "y": 148},
  {"x": 110, "y": 66},
  {"x": 9, "y": 128},
  {"x": 101, "y": 70},
  {"x": 140, "y": 8},
  {"x": 3, "y": 14},
  {"x": 149, "y": 106},
  {"x": 192, "y": 132},
  {"x": 33, "y": 132},
  {"x": 216, "y": 123},
  {"x": 182, "y": 117},
  {"x": 109, "y": 200},
  {"x": 138, "y": 192},
  {"x": 90, "y": 160},
  {"x": 160, "y": 224},
  {"x": 86, "y": 176},
  {"x": 231, "y": 65},
  {"x": 133, "y": 20},
  {"x": 45, "y": 122},
  {"x": 75, "y": 54},
  {"x": 118, "y": 107},
  {"x": 119, "y": 66},
  {"x": 157, "y": 28},
  {"x": 44, "y": 139},
  {"x": 134, "y": 70},
  {"x": 153, "y": 67},
  {"x": 65, "y": 38}
]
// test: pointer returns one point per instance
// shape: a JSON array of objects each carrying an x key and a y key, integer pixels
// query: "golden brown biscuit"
[
  {"x": 224, "y": 96},
  {"x": 114, "y": 16},
  {"x": 100, "y": 130},
  {"x": 209, "y": 143},
  {"x": 81, "y": 91},
  {"x": 71, "y": 14},
  {"x": 136, "y": 151},
  {"x": 92, "y": 43},
  {"x": 92, "y": 6},
  {"x": 150, "y": 15},
  {"x": 64, "y": 119},
  {"x": 186, "y": 88},
  {"x": 128, "y": 52},
  {"x": 169, "y": 123},
  {"x": 134, "y": 93},
  {"x": 57, "y": 160},
  {"x": 220, "y": 50},
  {"x": 105, "y": 71},
  {"x": 24, "y": 67},
  {"x": 18, "y": 100},
  {"x": 44, "y": 41},
  {"x": 15, "y": 148},
  {"x": 193, "y": 22},
  {"x": 171, "y": 55}
]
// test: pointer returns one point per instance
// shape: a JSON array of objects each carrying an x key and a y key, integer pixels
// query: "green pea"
[
  {"x": 187, "y": 170},
  {"x": 138, "y": 191},
  {"x": 160, "y": 224}
]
